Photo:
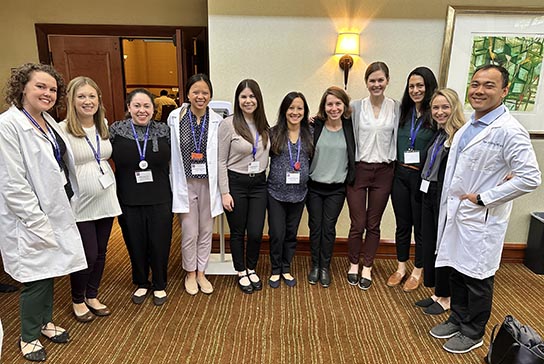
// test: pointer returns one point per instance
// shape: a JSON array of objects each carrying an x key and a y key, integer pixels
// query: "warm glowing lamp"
[{"x": 347, "y": 45}]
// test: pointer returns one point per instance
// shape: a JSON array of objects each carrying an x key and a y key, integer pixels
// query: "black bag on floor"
[{"x": 515, "y": 344}]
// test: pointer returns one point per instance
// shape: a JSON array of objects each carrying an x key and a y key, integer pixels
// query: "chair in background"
[{"x": 166, "y": 110}]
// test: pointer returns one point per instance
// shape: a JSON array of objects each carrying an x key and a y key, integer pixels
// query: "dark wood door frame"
[{"x": 188, "y": 33}]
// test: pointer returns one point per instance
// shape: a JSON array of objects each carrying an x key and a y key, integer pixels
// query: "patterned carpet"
[{"x": 304, "y": 324}]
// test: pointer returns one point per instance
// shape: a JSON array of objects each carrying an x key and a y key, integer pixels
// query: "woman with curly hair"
[{"x": 37, "y": 183}]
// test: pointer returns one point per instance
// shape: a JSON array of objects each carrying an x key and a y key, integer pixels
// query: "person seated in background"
[{"x": 162, "y": 100}]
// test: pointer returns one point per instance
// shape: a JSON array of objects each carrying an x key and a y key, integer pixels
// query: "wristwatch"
[{"x": 479, "y": 200}]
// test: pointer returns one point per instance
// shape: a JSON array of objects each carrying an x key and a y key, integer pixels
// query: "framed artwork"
[{"x": 510, "y": 37}]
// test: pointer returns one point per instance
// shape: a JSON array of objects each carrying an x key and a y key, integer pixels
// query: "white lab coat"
[
  {"x": 180, "y": 195},
  {"x": 471, "y": 237},
  {"x": 39, "y": 236}
]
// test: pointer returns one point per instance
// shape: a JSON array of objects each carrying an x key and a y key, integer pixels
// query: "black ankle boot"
[
  {"x": 313, "y": 276},
  {"x": 324, "y": 277}
]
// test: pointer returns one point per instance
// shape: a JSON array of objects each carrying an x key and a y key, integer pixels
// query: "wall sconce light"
[{"x": 347, "y": 45}]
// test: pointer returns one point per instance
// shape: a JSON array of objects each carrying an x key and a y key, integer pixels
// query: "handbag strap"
[{"x": 488, "y": 356}]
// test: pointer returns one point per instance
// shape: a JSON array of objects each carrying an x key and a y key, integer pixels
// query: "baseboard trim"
[{"x": 512, "y": 252}]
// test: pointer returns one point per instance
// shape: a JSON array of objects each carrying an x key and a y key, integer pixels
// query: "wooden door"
[{"x": 97, "y": 57}]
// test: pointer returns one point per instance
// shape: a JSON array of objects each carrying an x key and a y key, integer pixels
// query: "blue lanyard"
[
  {"x": 254, "y": 149},
  {"x": 294, "y": 165},
  {"x": 96, "y": 152},
  {"x": 52, "y": 140},
  {"x": 146, "y": 137},
  {"x": 202, "y": 127},
  {"x": 434, "y": 154},
  {"x": 413, "y": 131}
]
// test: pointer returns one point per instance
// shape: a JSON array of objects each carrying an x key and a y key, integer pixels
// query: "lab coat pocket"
[
  {"x": 36, "y": 239},
  {"x": 471, "y": 215},
  {"x": 485, "y": 157}
]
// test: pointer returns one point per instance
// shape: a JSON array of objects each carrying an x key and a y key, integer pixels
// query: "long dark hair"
[
  {"x": 280, "y": 134},
  {"x": 194, "y": 79},
  {"x": 408, "y": 104},
  {"x": 238, "y": 121}
]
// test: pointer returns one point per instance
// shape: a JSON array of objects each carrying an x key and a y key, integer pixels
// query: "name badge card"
[
  {"x": 143, "y": 176},
  {"x": 292, "y": 178},
  {"x": 411, "y": 157},
  {"x": 63, "y": 176},
  {"x": 254, "y": 167},
  {"x": 198, "y": 169},
  {"x": 106, "y": 180},
  {"x": 424, "y": 186}
]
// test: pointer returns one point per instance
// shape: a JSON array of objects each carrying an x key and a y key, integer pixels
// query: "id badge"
[
  {"x": 198, "y": 169},
  {"x": 411, "y": 157},
  {"x": 143, "y": 176},
  {"x": 63, "y": 176},
  {"x": 197, "y": 156},
  {"x": 254, "y": 167},
  {"x": 105, "y": 180},
  {"x": 424, "y": 186},
  {"x": 292, "y": 178}
]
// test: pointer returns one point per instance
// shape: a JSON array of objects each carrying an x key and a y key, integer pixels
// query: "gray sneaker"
[
  {"x": 460, "y": 344},
  {"x": 444, "y": 330}
]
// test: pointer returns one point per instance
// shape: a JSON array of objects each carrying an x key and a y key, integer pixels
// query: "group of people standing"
[{"x": 60, "y": 195}]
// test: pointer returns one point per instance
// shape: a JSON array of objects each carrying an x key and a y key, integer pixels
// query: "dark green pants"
[{"x": 35, "y": 308}]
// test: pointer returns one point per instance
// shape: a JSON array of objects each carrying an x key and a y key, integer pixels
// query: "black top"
[
  {"x": 347, "y": 127},
  {"x": 126, "y": 157}
]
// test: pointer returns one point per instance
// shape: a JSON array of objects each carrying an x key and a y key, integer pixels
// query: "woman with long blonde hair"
[
  {"x": 447, "y": 112},
  {"x": 86, "y": 130}
]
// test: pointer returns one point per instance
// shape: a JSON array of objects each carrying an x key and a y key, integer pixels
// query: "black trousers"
[
  {"x": 406, "y": 199},
  {"x": 324, "y": 203},
  {"x": 439, "y": 278},
  {"x": 250, "y": 197},
  {"x": 471, "y": 301},
  {"x": 283, "y": 221},
  {"x": 147, "y": 231},
  {"x": 95, "y": 235}
]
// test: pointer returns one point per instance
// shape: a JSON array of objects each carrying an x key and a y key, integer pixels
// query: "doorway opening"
[{"x": 98, "y": 51}]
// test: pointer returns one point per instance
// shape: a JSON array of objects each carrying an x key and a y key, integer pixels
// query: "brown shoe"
[
  {"x": 411, "y": 284},
  {"x": 395, "y": 279}
]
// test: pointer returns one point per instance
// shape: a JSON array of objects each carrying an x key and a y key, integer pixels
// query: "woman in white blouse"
[
  {"x": 375, "y": 119},
  {"x": 86, "y": 130}
]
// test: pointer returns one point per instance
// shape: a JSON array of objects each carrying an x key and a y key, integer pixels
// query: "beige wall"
[
  {"x": 287, "y": 45},
  {"x": 18, "y": 38}
]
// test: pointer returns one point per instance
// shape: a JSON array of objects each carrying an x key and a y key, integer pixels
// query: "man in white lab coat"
[{"x": 476, "y": 203}]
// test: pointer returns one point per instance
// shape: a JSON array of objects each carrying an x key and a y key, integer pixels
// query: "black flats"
[
  {"x": 365, "y": 283},
  {"x": 139, "y": 299},
  {"x": 255, "y": 280},
  {"x": 38, "y": 353},
  {"x": 58, "y": 337},
  {"x": 248, "y": 289},
  {"x": 353, "y": 279}
]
